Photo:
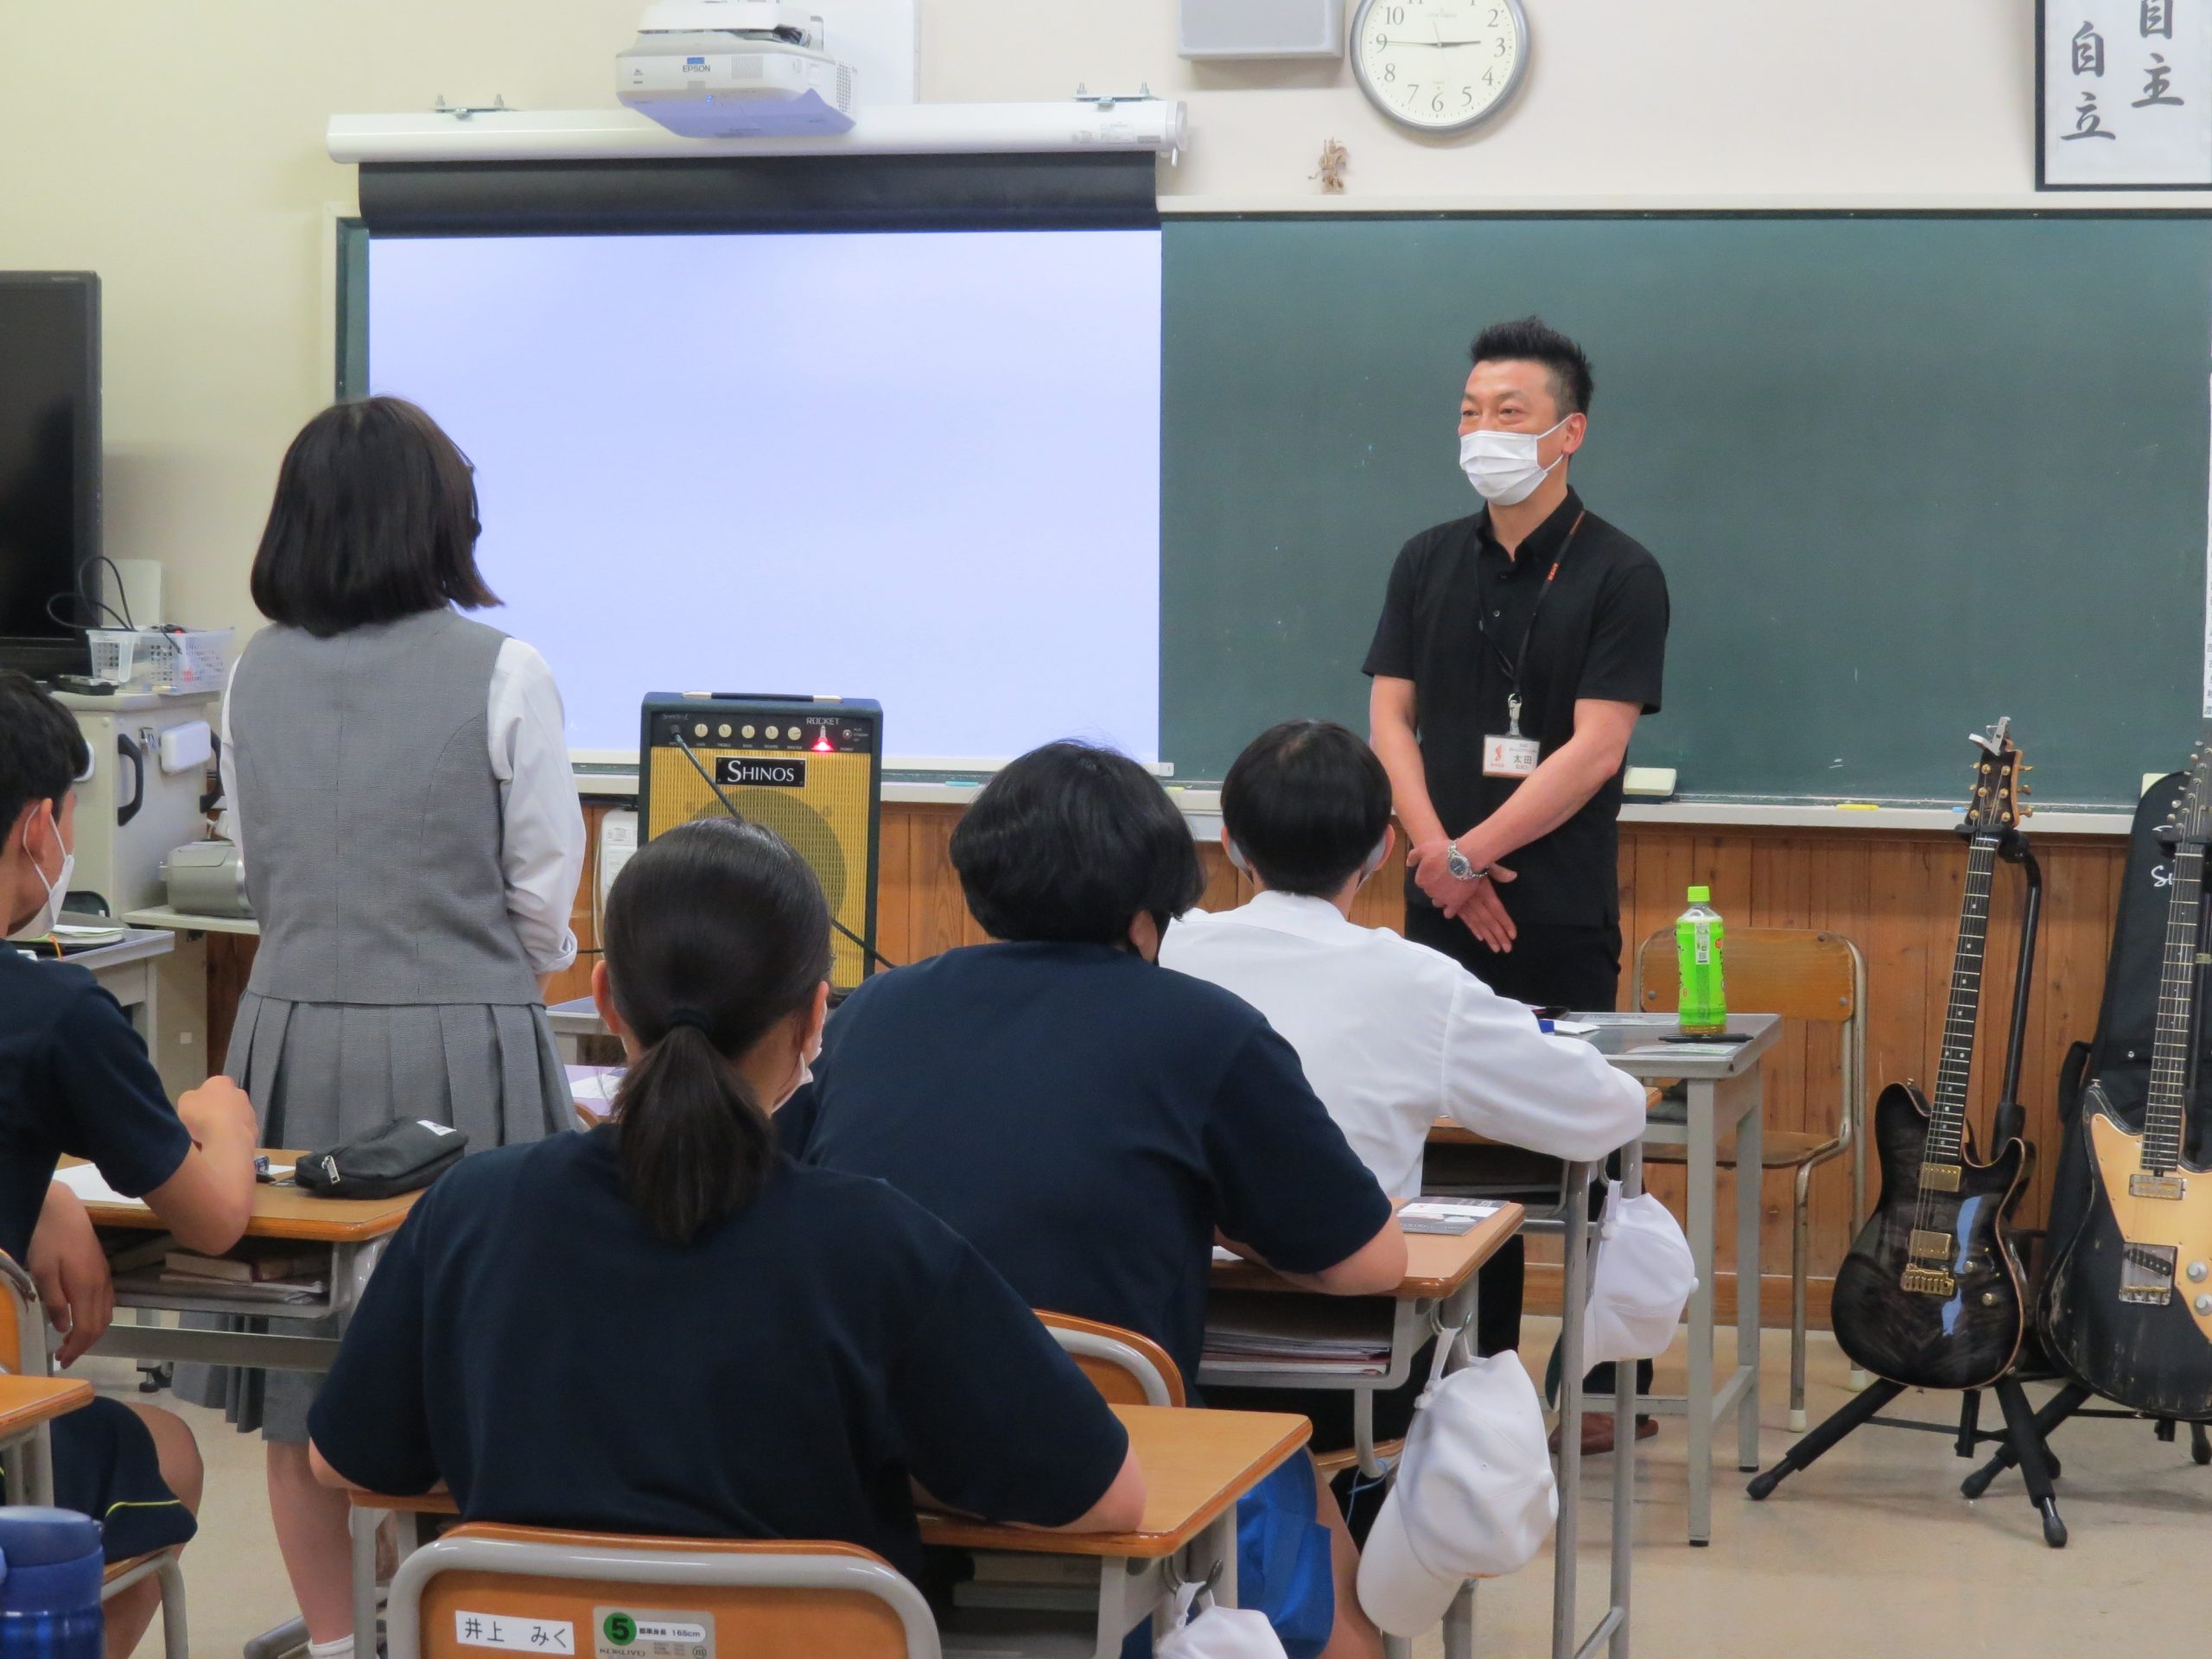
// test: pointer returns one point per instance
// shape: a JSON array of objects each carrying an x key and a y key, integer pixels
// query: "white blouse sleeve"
[
  {"x": 1505, "y": 1078},
  {"x": 226, "y": 770},
  {"x": 542, "y": 851}
]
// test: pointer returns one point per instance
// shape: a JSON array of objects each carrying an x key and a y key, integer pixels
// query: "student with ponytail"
[{"x": 666, "y": 1326}]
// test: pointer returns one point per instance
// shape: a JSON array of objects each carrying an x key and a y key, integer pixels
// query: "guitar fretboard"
[
  {"x": 1947, "y": 1116},
  {"x": 2165, "y": 1107}
]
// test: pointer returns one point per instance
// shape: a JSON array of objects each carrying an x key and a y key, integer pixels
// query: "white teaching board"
[{"x": 919, "y": 466}]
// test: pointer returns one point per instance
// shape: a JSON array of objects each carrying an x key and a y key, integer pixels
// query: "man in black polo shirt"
[{"x": 1517, "y": 648}]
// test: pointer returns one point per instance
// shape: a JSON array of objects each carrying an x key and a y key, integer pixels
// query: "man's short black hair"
[
  {"x": 1069, "y": 844},
  {"x": 374, "y": 519},
  {"x": 1306, "y": 804},
  {"x": 1531, "y": 340},
  {"x": 41, "y": 751}
]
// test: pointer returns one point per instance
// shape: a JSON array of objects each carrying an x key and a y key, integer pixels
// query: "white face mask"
[
  {"x": 1503, "y": 466},
  {"x": 43, "y": 924}
]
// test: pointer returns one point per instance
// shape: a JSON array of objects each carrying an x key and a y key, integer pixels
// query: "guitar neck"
[
  {"x": 2166, "y": 1106},
  {"x": 1947, "y": 1120}
]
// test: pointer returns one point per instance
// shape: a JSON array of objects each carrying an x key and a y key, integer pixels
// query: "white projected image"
[{"x": 922, "y": 467}]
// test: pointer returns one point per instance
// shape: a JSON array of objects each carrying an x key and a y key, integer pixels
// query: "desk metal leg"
[
  {"x": 1459, "y": 1625},
  {"x": 362, "y": 1524},
  {"x": 1574, "y": 1295},
  {"x": 1704, "y": 1192},
  {"x": 1624, "y": 1539},
  {"x": 1750, "y": 1138}
]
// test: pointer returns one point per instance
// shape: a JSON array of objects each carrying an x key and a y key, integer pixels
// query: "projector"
[{"x": 734, "y": 69}]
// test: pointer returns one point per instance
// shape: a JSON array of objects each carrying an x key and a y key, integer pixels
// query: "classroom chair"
[
  {"x": 23, "y": 1351},
  {"x": 578, "y": 1592},
  {"x": 1819, "y": 978}
]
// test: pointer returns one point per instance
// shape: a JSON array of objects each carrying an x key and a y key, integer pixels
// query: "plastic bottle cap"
[{"x": 1701, "y": 895}]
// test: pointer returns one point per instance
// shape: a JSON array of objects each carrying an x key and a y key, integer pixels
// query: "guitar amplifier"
[{"x": 809, "y": 768}]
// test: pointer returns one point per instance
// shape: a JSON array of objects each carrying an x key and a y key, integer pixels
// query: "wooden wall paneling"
[
  {"x": 940, "y": 913},
  {"x": 894, "y": 886}
]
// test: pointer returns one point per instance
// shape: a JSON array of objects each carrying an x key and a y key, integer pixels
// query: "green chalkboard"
[{"x": 1905, "y": 473}]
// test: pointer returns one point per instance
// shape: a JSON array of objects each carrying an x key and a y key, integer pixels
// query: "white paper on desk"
[
  {"x": 1447, "y": 1210},
  {"x": 1681, "y": 1052},
  {"x": 1572, "y": 1027},
  {"x": 595, "y": 1082},
  {"x": 88, "y": 1184},
  {"x": 1630, "y": 1018},
  {"x": 1225, "y": 1258}
]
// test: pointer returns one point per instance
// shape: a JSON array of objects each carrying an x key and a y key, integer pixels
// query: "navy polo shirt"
[
  {"x": 529, "y": 1340},
  {"x": 1086, "y": 1119},
  {"x": 74, "y": 1079}
]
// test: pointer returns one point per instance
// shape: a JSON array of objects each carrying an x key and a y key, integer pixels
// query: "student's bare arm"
[
  {"x": 207, "y": 1203},
  {"x": 1376, "y": 1268}
]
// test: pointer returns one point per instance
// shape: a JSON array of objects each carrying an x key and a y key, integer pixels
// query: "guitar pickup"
[
  {"x": 1929, "y": 1246},
  {"x": 1929, "y": 1281},
  {"x": 2156, "y": 1187},
  {"x": 2146, "y": 1273},
  {"x": 1939, "y": 1178}
]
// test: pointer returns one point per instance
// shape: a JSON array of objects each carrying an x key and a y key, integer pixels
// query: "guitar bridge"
[
  {"x": 1934, "y": 1246},
  {"x": 1939, "y": 1178},
  {"x": 2156, "y": 1187},
  {"x": 2146, "y": 1274},
  {"x": 1929, "y": 1281}
]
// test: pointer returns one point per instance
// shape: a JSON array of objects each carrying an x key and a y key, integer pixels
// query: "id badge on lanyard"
[{"x": 1506, "y": 753}]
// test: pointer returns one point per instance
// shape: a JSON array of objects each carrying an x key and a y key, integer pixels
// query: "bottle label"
[{"x": 1701, "y": 944}]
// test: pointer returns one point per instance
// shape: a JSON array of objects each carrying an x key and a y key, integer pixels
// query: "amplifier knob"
[
  {"x": 723, "y": 730},
  {"x": 2196, "y": 1271},
  {"x": 700, "y": 730},
  {"x": 748, "y": 731},
  {"x": 772, "y": 734}
]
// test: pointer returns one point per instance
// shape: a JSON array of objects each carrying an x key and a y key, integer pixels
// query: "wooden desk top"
[
  {"x": 1197, "y": 1463},
  {"x": 26, "y": 1401},
  {"x": 1437, "y": 1264},
  {"x": 286, "y": 1212},
  {"x": 1446, "y": 1133}
]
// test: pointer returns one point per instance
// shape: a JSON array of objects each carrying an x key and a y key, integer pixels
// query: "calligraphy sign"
[{"x": 2123, "y": 94}]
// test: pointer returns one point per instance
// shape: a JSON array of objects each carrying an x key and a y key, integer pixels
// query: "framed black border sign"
[{"x": 2123, "y": 94}]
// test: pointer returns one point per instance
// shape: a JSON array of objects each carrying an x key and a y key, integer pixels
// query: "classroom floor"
[{"x": 1872, "y": 1551}]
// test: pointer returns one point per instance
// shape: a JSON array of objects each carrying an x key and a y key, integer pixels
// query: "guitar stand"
[{"x": 2023, "y": 1437}]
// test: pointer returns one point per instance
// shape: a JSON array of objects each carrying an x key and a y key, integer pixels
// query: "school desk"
[
  {"x": 1197, "y": 1464},
  {"x": 1436, "y": 1297},
  {"x": 27, "y": 1404},
  {"x": 354, "y": 1230}
]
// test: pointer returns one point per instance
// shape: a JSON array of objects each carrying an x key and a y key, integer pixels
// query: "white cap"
[
  {"x": 1217, "y": 1633},
  {"x": 1474, "y": 1497},
  {"x": 1644, "y": 1275}
]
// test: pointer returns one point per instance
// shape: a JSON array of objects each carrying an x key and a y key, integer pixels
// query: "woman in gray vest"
[{"x": 399, "y": 785}]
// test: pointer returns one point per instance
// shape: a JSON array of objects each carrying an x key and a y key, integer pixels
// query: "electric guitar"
[
  {"x": 1931, "y": 1294},
  {"x": 2129, "y": 1310}
]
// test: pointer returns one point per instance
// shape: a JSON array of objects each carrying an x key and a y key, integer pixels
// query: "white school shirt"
[
  {"x": 1394, "y": 1035},
  {"x": 541, "y": 844}
]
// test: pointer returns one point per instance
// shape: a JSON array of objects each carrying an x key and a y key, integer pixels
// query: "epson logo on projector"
[{"x": 775, "y": 774}]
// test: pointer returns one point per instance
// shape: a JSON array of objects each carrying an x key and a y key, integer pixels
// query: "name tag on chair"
[{"x": 1505, "y": 756}]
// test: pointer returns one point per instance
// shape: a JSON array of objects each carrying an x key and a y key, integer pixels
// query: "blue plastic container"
[{"x": 50, "y": 1571}]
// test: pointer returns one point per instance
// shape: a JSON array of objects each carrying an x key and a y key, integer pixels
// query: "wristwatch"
[{"x": 1455, "y": 861}]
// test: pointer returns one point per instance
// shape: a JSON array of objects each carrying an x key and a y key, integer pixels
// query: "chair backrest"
[
  {"x": 1127, "y": 1368},
  {"x": 534, "y": 1590},
  {"x": 23, "y": 1322},
  {"x": 1794, "y": 972}
]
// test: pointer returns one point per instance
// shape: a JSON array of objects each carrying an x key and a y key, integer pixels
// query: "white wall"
[{"x": 174, "y": 146}]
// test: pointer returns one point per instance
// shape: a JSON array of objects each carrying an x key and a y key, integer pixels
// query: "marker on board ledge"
[{"x": 1858, "y": 806}]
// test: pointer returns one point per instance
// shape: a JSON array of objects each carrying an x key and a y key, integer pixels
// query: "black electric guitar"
[
  {"x": 2129, "y": 1308},
  {"x": 1931, "y": 1294}
]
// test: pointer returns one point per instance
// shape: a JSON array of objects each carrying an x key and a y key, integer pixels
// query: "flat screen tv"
[{"x": 49, "y": 466}]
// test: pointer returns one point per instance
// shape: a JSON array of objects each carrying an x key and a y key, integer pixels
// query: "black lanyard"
[{"x": 1518, "y": 666}]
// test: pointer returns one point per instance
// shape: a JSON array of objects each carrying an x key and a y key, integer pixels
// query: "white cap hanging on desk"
[
  {"x": 1474, "y": 1499},
  {"x": 1644, "y": 1275}
]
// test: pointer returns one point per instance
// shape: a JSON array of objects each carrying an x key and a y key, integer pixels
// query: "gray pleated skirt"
[{"x": 321, "y": 1075}]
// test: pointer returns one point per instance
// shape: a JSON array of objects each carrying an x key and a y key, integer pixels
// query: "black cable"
[
  {"x": 698, "y": 766},
  {"x": 103, "y": 559}
]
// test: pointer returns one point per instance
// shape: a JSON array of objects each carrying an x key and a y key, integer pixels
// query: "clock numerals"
[{"x": 1469, "y": 55}]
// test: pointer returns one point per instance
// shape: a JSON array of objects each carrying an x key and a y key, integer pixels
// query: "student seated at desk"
[
  {"x": 1088, "y": 1120},
  {"x": 1392, "y": 1034},
  {"x": 75, "y": 1079},
  {"x": 664, "y": 1327}
]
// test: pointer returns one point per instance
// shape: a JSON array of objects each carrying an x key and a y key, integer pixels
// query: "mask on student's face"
[
  {"x": 1503, "y": 466},
  {"x": 56, "y": 890}
]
